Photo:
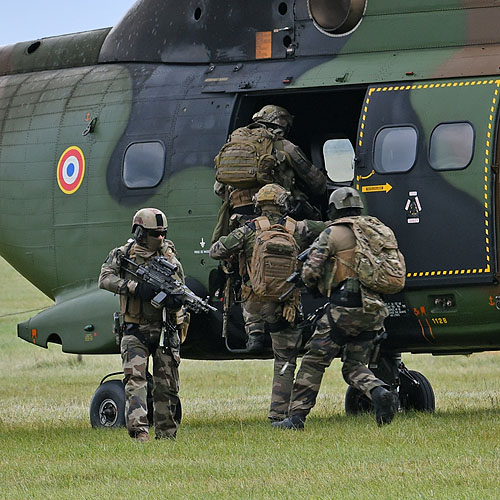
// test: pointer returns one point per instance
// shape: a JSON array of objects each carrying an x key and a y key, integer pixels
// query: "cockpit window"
[
  {"x": 451, "y": 146},
  {"x": 339, "y": 155},
  {"x": 144, "y": 165},
  {"x": 395, "y": 149}
]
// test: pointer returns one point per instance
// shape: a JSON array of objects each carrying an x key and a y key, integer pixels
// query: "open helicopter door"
[{"x": 425, "y": 167}]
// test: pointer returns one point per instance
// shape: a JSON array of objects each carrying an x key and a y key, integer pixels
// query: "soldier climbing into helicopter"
[
  {"x": 260, "y": 154},
  {"x": 267, "y": 248},
  {"x": 256, "y": 155}
]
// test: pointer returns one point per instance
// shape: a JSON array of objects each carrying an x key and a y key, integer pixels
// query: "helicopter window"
[
  {"x": 395, "y": 149},
  {"x": 452, "y": 146},
  {"x": 144, "y": 165},
  {"x": 339, "y": 155}
]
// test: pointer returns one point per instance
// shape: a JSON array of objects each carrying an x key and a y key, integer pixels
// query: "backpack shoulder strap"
[
  {"x": 290, "y": 225},
  {"x": 262, "y": 223}
]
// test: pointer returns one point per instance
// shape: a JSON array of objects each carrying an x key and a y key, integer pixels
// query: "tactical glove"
[
  {"x": 145, "y": 292},
  {"x": 289, "y": 313},
  {"x": 173, "y": 302}
]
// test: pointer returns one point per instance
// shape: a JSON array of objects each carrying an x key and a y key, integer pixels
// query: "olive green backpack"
[
  {"x": 378, "y": 263},
  {"x": 247, "y": 159}
]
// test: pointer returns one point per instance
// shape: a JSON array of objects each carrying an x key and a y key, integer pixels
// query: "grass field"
[{"x": 225, "y": 447}]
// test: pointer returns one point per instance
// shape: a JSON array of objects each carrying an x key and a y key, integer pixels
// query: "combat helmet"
[
  {"x": 345, "y": 197},
  {"x": 272, "y": 195},
  {"x": 274, "y": 115},
  {"x": 150, "y": 218}
]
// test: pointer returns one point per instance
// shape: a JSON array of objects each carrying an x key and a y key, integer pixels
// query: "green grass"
[{"x": 225, "y": 447}]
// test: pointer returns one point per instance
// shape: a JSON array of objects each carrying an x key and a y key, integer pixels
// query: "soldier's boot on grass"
[
  {"x": 294, "y": 422},
  {"x": 142, "y": 437},
  {"x": 255, "y": 343},
  {"x": 384, "y": 404}
]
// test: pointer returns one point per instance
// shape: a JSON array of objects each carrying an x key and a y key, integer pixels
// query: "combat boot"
[
  {"x": 255, "y": 343},
  {"x": 142, "y": 437},
  {"x": 384, "y": 404},
  {"x": 295, "y": 422}
]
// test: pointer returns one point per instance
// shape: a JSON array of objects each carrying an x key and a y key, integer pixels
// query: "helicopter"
[{"x": 397, "y": 99}]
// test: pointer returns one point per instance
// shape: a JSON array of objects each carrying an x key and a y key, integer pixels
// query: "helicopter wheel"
[
  {"x": 107, "y": 408},
  {"x": 415, "y": 392}
]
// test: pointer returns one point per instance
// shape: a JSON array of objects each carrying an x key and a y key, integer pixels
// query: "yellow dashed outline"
[{"x": 487, "y": 268}]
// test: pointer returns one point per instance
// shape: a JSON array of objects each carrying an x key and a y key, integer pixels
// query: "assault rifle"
[
  {"x": 294, "y": 279},
  {"x": 159, "y": 274}
]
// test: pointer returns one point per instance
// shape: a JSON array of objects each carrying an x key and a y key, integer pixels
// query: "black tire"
[
  {"x": 416, "y": 397},
  {"x": 356, "y": 402},
  {"x": 107, "y": 408}
]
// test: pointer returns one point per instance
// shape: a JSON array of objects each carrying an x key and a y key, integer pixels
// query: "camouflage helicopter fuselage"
[{"x": 97, "y": 124}]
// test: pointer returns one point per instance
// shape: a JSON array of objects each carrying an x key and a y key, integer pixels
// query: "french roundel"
[{"x": 70, "y": 170}]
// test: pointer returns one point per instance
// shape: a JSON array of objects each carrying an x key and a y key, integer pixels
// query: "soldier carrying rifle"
[{"x": 144, "y": 324}]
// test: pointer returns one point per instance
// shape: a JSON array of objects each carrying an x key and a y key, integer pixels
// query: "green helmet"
[
  {"x": 345, "y": 197},
  {"x": 275, "y": 115},
  {"x": 272, "y": 194},
  {"x": 150, "y": 218}
]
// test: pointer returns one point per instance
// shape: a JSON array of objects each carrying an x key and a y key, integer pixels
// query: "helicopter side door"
[{"x": 425, "y": 160}]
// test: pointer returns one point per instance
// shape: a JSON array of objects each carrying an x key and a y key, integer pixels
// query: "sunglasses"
[{"x": 156, "y": 234}]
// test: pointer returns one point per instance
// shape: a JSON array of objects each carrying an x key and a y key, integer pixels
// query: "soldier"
[
  {"x": 280, "y": 317},
  {"x": 286, "y": 165},
  {"x": 346, "y": 324},
  {"x": 143, "y": 326},
  {"x": 289, "y": 167}
]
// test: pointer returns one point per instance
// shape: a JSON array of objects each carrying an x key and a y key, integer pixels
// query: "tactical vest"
[
  {"x": 133, "y": 309},
  {"x": 338, "y": 267}
]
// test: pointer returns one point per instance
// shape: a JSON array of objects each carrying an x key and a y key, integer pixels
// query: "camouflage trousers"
[
  {"x": 254, "y": 323},
  {"x": 285, "y": 343},
  {"x": 321, "y": 350},
  {"x": 135, "y": 351}
]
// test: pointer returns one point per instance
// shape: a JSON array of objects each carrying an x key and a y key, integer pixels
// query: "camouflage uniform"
[
  {"x": 294, "y": 167},
  {"x": 294, "y": 170},
  {"x": 324, "y": 272},
  {"x": 143, "y": 325},
  {"x": 285, "y": 337}
]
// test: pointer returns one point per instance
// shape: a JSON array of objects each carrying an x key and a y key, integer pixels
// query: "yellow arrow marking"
[
  {"x": 359, "y": 177},
  {"x": 374, "y": 189}
]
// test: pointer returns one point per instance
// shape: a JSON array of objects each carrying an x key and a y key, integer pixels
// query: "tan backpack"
[
  {"x": 378, "y": 263},
  {"x": 247, "y": 160},
  {"x": 274, "y": 258}
]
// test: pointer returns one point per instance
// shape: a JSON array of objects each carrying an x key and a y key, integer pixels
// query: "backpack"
[
  {"x": 378, "y": 263},
  {"x": 247, "y": 159},
  {"x": 274, "y": 258}
]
